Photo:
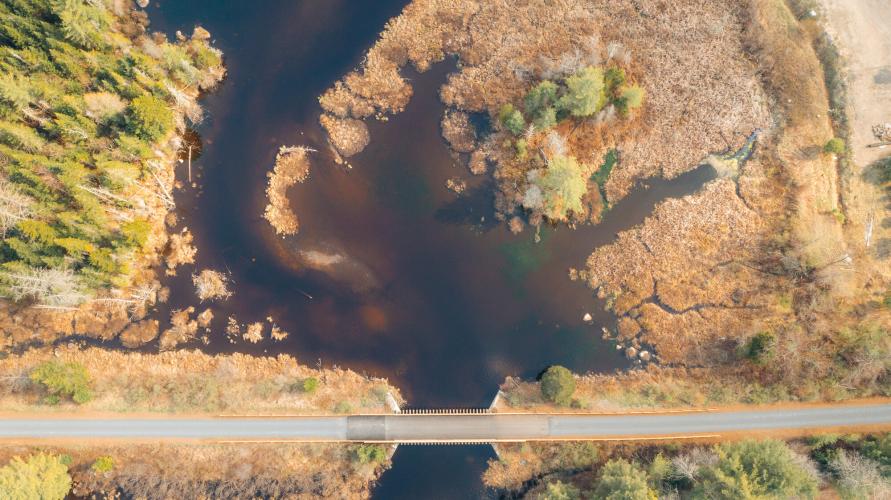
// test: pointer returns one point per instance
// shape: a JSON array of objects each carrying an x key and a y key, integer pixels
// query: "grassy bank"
[{"x": 49, "y": 380}]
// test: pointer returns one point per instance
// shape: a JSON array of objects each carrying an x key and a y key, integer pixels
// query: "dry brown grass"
[
  {"x": 689, "y": 311},
  {"x": 193, "y": 382},
  {"x": 179, "y": 251},
  {"x": 703, "y": 93},
  {"x": 210, "y": 284},
  {"x": 291, "y": 167}
]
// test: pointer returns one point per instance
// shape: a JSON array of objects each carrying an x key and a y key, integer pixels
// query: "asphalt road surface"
[{"x": 450, "y": 428}]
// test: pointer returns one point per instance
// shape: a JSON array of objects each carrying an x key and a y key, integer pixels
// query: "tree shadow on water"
[{"x": 475, "y": 208}]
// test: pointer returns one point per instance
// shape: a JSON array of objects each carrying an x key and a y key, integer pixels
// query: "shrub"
[
  {"x": 521, "y": 148},
  {"x": 621, "y": 480},
  {"x": 369, "y": 454},
  {"x": 310, "y": 385},
  {"x": 614, "y": 79},
  {"x": 545, "y": 119},
  {"x": 539, "y": 105},
  {"x": 585, "y": 93},
  {"x": 563, "y": 184},
  {"x": 834, "y": 146},
  {"x": 759, "y": 349},
  {"x": 511, "y": 119},
  {"x": 40, "y": 476},
  {"x": 561, "y": 491},
  {"x": 660, "y": 471},
  {"x": 755, "y": 469},
  {"x": 150, "y": 117},
  {"x": 632, "y": 97},
  {"x": 858, "y": 477},
  {"x": 63, "y": 380},
  {"x": 540, "y": 97},
  {"x": 343, "y": 407},
  {"x": 103, "y": 464},
  {"x": 879, "y": 449},
  {"x": 558, "y": 385}
]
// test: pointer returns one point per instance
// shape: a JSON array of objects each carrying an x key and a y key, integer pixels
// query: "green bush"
[
  {"x": 621, "y": 480},
  {"x": 759, "y": 349},
  {"x": 545, "y": 119},
  {"x": 520, "y": 148},
  {"x": 38, "y": 477},
  {"x": 835, "y": 146},
  {"x": 614, "y": 79},
  {"x": 563, "y": 185},
  {"x": 753, "y": 470},
  {"x": 343, "y": 407},
  {"x": 103, "y": 464},
  {"x": 511, "y": 119},
  {"x": 63, "y": 380},
  {"x": 539, "y": 105},
  {"x": 632, "y": 98},
  {"x": 585, "y": 93},
  {"x": 879, "y": 449},
  {"x": 369, "y": 454},
  {"x": 558, "y": 385},
  {"x": 310, "y": 385},
  {"x": 150, "y": 117},
  {"x": 540, "y": 97},
  {"x": 561, "y": 491}
]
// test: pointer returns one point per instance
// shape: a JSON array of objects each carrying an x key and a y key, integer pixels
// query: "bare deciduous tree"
[
  {"x": 51, "y": 288},
  {"x": 14, "y": 206},
  {"x": 859, "y": 477},
  {"x": 687, "y": 465}
]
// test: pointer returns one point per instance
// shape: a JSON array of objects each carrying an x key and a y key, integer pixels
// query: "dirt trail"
[{"x": 862, "y": 30}]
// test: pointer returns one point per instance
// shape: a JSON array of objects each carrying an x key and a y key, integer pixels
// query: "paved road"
[{"x": 454, "y": 428}]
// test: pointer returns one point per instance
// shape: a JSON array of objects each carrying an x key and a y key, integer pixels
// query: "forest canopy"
[{"x": 88, "y": 107}]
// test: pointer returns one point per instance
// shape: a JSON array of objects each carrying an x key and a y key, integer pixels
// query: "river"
[{"x": 421, "y": 286}]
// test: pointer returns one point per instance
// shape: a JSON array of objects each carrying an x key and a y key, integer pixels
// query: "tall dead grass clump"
[
  {"x": 291, "y": 167},
  {"x": 210, "y": 284}
]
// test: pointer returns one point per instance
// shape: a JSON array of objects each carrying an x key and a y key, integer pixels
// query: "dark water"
[{"x": 428, "y": 291}]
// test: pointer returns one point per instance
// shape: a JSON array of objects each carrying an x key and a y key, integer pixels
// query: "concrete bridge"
[{"x": 447, "y": 427}]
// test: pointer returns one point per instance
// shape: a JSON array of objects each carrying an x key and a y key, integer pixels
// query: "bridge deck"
[{"x": 448, "y": 427}]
